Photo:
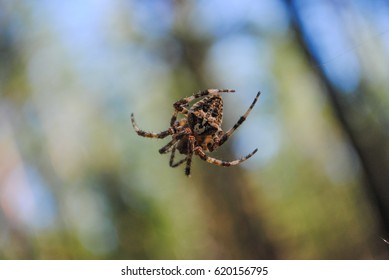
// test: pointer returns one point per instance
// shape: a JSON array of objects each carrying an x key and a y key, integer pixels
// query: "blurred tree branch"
[{"x": 364, "y": 135}]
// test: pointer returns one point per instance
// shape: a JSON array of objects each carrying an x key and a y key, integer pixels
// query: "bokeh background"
[{"x": 76, "y": 182}]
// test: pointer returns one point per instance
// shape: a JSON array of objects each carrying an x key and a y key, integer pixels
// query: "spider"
[{"x": 199, "y": 130}]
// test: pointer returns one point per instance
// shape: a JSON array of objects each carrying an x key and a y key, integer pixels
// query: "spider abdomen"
[{"x": 205, "y": 116}]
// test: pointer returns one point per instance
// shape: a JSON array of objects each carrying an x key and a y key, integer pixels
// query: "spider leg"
[
  {"x": 198, "y": 151},
  {"x": 183, "y": 111},
  {"x": 174, "y": 118},
  {"x": 165, "y": 149},
  {"x": 180, "y": 104},
  {"x": 239, "y": 122},
  {"x": 142, "y": 133},
  {"x": 176, "y": 137},
  {"x": 172, "y": 159},
  {"x": 189, "y": 155}
]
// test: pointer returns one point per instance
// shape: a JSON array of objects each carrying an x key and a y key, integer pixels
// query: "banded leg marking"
[
  {"x": 179, "y": 105},
  {"x": 171, "y": 162},
  {"x": 189, "y": 156},
  {"x": 239, "y": 122},
  {"x": 142, "y": 133},
  {"x": 203, "y": 156},
  {"x": 165, "y": 149}
]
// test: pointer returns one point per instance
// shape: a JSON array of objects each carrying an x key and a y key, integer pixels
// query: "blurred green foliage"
[{"x": 76, "y": 182}]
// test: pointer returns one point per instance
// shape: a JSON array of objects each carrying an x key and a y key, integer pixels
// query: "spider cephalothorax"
[{"x": 199, "y": 130}]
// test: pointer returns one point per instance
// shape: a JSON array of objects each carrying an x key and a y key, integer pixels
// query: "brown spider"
[{"x": 199, "y": 131}]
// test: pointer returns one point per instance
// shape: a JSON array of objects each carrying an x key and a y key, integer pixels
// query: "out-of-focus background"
[{"x": 76, "y": 182}]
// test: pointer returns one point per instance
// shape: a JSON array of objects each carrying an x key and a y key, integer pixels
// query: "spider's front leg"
[
  {"x": 227, "y": 135},
  {"x": 142, "y": 133},
  {"x": 180, "y": 104}
]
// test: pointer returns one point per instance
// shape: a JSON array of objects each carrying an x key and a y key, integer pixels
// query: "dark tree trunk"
[{"x": 364, "y": 135}]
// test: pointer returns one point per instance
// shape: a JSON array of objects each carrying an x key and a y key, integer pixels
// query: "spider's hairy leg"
[
  {"x": 198, "y": 151},
  {"x": 165, "y": 149},
  {"x": 239, "y": 122},
  {"x": 171, "y": 162},
  {"x": 189, "y": 155},
  {"x": 176, "y": 137},
  {"x": 174, "y": 118},
  {"x": 180, "y": 104},
  {"x": 142, "y": 133}
]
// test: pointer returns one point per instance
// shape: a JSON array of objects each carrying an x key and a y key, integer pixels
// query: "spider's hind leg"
[
  {"x": 189, "y": 155},
  {"x": 142, "y": 133},
  {"x": 165, "y": 149},
  {"x": 198, "y": 151},
  {"x": 171, "y": 162}
]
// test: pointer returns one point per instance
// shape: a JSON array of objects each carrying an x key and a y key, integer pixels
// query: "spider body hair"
[{"x": 199, "y": 130}]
